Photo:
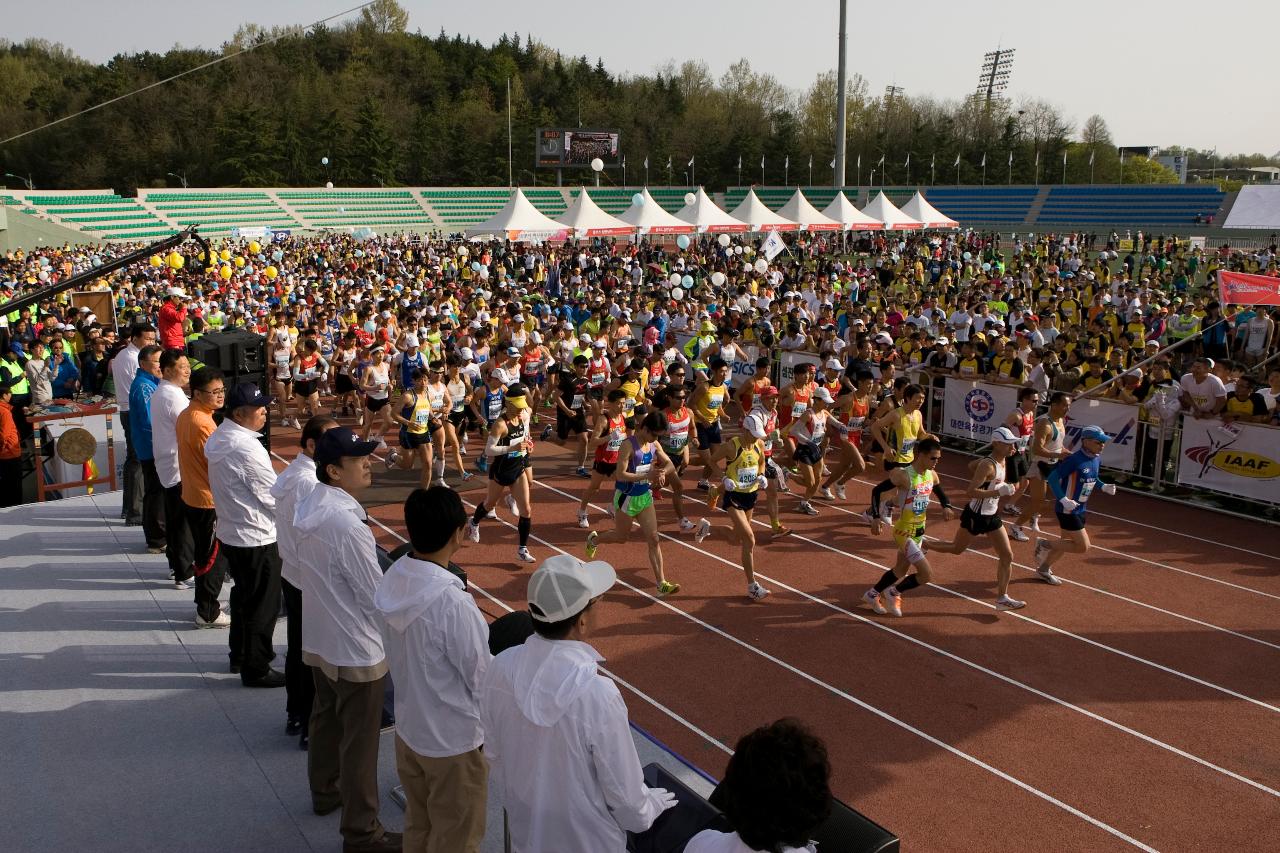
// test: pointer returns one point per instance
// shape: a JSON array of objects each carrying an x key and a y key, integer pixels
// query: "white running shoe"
[
  {"x": 840, "y": 492},
  {"x": 756, "y": 592},
  {"x": 1012, "y": 510},
  {"x": 1041, "y": 553},
  {"x": 223, "y": 620},
  {"x": 686, "y": 524},
  {"x": 184, "y": 585},
  {"x": 1017, "y": 534},
  {"x": 872, "y": 598},
  {"x": 1004, "y": 602},
  {"x": 510, "y": 502},
  {"x": 293, "y": 422},
  {"x": 704, "y": 530},
  {"x": 523, "y": 555},
  {"x": 583, "y": 521},
  {"x": 382, "y": 445},
  {"x": 473, "y": 531},
  {"x": 1049, "y": 577},
  {"x": 392, "y": 460},
  {"x": 782, "y": 479},
  {"x": 827, "y": 494},
  {"x": 895, "y": 603},
  {"x": 1035, "y": 524},
  {"x": 807, "y": 508},
  {"x": 284, "y": 422},
  {"x": 493, "y": 513}
]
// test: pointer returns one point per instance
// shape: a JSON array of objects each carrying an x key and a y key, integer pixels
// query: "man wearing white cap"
[{"x": 555, "y": 729}]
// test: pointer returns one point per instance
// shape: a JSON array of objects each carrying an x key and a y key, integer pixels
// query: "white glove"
[
  {"x": 1109, "y": 488},
  {"x": 762, "y": 481},
  {"x": 728, "y": 484},
  {"x": 1068, "y": 505},
  {"x": 1006, "y": 489},
  {"x": 662, "y": 798}
]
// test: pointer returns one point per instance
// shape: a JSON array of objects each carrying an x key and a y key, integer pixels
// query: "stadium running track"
[{"x": 1135, "y": 706}]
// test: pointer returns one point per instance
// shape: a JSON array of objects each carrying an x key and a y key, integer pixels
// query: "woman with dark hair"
[{"x": 776, "y": 791}]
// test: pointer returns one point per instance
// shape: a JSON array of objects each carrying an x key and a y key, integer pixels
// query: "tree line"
[{"x": 384, "y": 106}]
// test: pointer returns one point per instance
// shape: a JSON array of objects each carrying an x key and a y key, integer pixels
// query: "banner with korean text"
[{"x": 973, "y": 409}]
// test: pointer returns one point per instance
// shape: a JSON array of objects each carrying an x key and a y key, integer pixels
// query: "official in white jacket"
[
  {"x": 556, "y": 731},
  {"x": 437, "y": 646},
  {"x": 293, "y": 485}
]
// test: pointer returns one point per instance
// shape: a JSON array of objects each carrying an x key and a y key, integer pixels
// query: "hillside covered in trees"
[{"x": 390, "y": 107}]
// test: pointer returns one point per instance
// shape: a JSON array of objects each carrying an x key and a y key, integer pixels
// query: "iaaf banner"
[
  {"x": 1120, "y": 421},
  {"x": 1238, "y": 288},
  {"x": 973, "y": 409},
  {"x": 1239, "y": 459}
]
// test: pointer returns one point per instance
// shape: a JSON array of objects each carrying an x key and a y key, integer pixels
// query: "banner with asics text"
[
  {"x": 1238, "y": 288},
  {"x": 1239, "y": 459},
  {"x": 1119, "y": 420},
  {"x": 973, "y": 409}
]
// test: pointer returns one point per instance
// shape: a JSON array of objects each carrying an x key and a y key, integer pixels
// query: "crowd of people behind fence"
[{"x": 441, "y": 339}]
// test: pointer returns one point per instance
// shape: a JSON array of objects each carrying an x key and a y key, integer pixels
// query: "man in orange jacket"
[{"x": 10, "y": 447}]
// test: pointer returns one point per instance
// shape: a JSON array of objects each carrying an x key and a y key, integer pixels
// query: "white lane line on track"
[
  {"x": 974, "y": 665},
  {"x": 1099, "y": 590}
]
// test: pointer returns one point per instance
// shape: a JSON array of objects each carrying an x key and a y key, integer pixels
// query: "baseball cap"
[
  {"x": 754, "y": 427},
  {"x": 823, "y": 394},
  {"x": 411, "y": 340},
  {"x": 466, "y": 354},
  {"x": 338, "y": 442},
  {"x": 177, "y": 291},
  {"x": 563, "y": 586},
  {"x": 246, "y": 394},
  {"x": 1095, "y": 433},
  {"x": 770, "y": 391},
  {"x": 943, "y": 341},
  {"x": 513, "y": 350},
  {"x": 833, "y": 364},
  {"x": 598, "y": 345},
  {"x": 883, "y": 338},
  {"x": 1003, "y": 435}
]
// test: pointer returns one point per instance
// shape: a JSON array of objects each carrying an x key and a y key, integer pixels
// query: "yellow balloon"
[
  {"x": 271, "y": 272},
  {"x": 176, "y": 261},
  {"x": 239, "y": 261},
  {"x": 225, "y": 271},
  {"x": 225, "y": 254},
  {"x": 254, "y": 247},
  {"x": 156, "y": 261}
]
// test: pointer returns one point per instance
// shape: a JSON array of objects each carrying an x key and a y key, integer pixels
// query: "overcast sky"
[{"x": 1175, "y": 73}]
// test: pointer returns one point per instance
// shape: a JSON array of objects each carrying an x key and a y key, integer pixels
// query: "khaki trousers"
[
  {"x": 444, "y": 800},
  {"x": 342, "y": 759}
]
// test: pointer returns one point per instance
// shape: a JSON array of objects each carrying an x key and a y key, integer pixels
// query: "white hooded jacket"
[{"x": 557, "y": 737}]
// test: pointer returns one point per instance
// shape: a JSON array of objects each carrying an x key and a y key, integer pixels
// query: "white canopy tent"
[
  {"x": 894, "y": 220},
  {"x": 1256, "y": 207},
  {"x": 919, "y": 208},
  {"x": 759, "y": 217},
  {"x": 706, "y": 216},
  {"x": 850, "y": 218},
  {"x": 649, "y": 217},
  {"x": 584, "y": 218},
  {"x": 809, "y": 218},
  {"x": 519, "y": 220}
]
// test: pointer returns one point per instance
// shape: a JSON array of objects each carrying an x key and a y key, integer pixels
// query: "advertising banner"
[
  {"x": 789, "y": 360},
  {"x": 973, "y": 409},
  {"x": 1238, "y": 288},
  {"x": 1120, "y": 421},
  {"x": 1239, "y": 459}
]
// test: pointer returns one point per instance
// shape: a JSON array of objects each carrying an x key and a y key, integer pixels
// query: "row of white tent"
[{"x": 520, "y": 220}]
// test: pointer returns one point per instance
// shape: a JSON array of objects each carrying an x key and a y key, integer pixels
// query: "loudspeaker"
[{"x": 236, "y": 352}]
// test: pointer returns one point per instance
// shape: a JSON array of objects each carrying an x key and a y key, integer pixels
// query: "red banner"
[{"x": 1238, "y": 288}]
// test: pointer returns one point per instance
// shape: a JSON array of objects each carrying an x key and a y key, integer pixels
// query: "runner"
[
  {"x": 418, "y": 424},
  {"x": 981, "y": 516},
  {"x": 633, "y": 495},
  {"x": 1047, "y": 449},
  {"x": 744, "y": 476},
  {"x": 915, "y": 482},
  {"x": 311, "y": 371},
  {"x": 487, "y": 404},
  {"x": 460, "y": 395},
  {"x": 762, "y": 423},
  {"x": 441, "y": 407},
  {"x": 708, "y": 410},
  {"x": 808, "y": 432},
  {"x": 609, "y": 431},
  {"x": 571, "y": 410},
  {"x": 376, "y": 384},
  {"x": 1021, "y": 421},
  {"x": 508, "y": 449},
  {"x": 533, "y": 372},
  {"x": 1072, "y": 481},
  {"x": 898, "y": 433},
  {"x": 670, "y": 401},
  {"x": 282, "y": 368},
  {"x": 851, "y": 410}
]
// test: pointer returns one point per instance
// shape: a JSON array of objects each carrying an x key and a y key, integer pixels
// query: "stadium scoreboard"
[{"x": 561, "y": 148}]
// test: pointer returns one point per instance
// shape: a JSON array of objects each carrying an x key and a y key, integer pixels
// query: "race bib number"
[
  {"x": 628, "y": 406},
  {"x": 421, "y": 417},
  {"x": 577, "y": 402},
  {"x": 437, "y": 403},
  {"x": 747, "y": 476},
  {"x": 908, "y": 447},
  {"x": 1086, "y": 489},
  {"x": 677, "y": 440},
  {"x": 615, "y": 439},
  {"x": 713, "y": 404},
  {"x": 920, "y": 503},
  {"x": 643, "y": 469},
  {"x": 495, "y": 408},
  {"x": 798, "y": 409},
  {"x": 597, "y": 379}
]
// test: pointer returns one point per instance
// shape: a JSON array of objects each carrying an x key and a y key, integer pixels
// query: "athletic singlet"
[
  {"x": 678, "y": 425},
  {"x": 902, "y": 437},
  {"x": 616, "y": 430},
  {"x": 435, "y": 396},
  {"x": 855, "y": 418},
  {"x": 632, "y": 390},
  {"x": 833, "y": 387},
  {"x": 914, "y": 502},
  {"x": 799, "y": 404},
  {"x": 707, "y": 409},
  {"x": 380, "y": 376},
  {"x": 744, "y": 469},
  {"x": 990, "y": 506},
  {"x": 598, "y": 372},
  {"x": 492, "y": 405},
  {"x": 515, "y": 459},
  {"x": 640, "y": 462},
  {"x": 408, "y": 364},
  {"x": 532, "y": 363},
  {"x": 751, "y": 389},
  {"x": 1026, "y": 426},
  {"x": 282, "y": 359},
  {"x": 417, "y": 413},
  {"x": 307, "y": 367},
  {"x": 806, "y": 435},
  {"x": 1054, "y": 443},
  {"x": 458, "y": 392}
]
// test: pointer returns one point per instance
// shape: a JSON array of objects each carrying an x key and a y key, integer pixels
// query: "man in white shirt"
[
  {"x": 123, "y": 368},
  {"x": 240, "y": 478},
  {"x": 167, "y": 402},
  {"x": 342, "y": 641},
  {"x": 556, "y": 731},
  {"x": 294, "y": 483},
  {"x": 437, "y": 647},
  {"x": 1203, "y": 394}
]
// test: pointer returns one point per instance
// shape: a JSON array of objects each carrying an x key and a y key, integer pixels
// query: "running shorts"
[
  {"x": 745, "y": 501},
  {"x": 1069, "y": 521},
  {"x": 808, "y": 454},
  {"x": 979, "y": 524},
  {"x": 708, "y": 435},
  {"x": 632, "y": 505}
]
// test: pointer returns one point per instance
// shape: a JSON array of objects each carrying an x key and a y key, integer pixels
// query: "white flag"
[
  {"x": 832, "y": 164},
  {"x": 908, "y": 163},
  {"x": 1037, "y": 158},
  {"x": 690, "y": 163},
  {"x": 1064, "y": 158},
  {"x": 859, "y": 161},
  {"x": 646, "y": 162},
  {"x": 668, "y": 161},
  {"x": 772, "y": 245},
  {"x": 881, "y": 163},
  {"x": 810, "y": 161},
  {"x": 786, "y": 162},
  {"x": 983, "y": 164},
  {"x": 1011, "y": 157},
  {"x": 761, "y": 161},
  {"x": 1090, "y": 158},
  {"x": 739, "y": 161},
  {"x": 957, "y": 162}
]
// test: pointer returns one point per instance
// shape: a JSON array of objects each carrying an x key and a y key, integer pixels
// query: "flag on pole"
[
  {"x": 772, "y": 245},
  {"x": 1011, "y": 157},
  {"x": 1037, "y": 159},
  {"x": 859, "y": 161},
  {"x": 646, "y": 161},
  {"x": 761, "y": 161},
  {"x": 832, "y": 164},
  {"x": 786, "y": 162},
  {"x": 690, "y": 163},
  {"x": 957, "y": 162},
  {"x": 908, "y": 163},
  {"x": 1090, "y": 158},
  {"x": 983, "y": 164},
  {"x": 881, "y": 163},
  {"x": 933, "y": 161},
  {"x": 739, "y": 161},
  {"x": 668, "y": 161},
  {"x": 1064, "y": 158},
  {"x": 810, "y": 161}
]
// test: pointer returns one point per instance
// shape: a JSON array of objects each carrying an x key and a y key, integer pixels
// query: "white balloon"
[
  {"x": 324, "y": 161},
  {"x": 717, "y": 278},
  {"x": 724, "y": 240},
  {"x": 463, "y": 251},
  {"x": 328, "y": 185},
  {"x": 677, "y": 293},
  {"x": 762, "y": 266},
  {"x": 690, "y": 198},
  {"x": 597, "y": 165},
  {"x": 674, "y": 278},
  {"x": 746, "y": 267},
  {"x": 637, "y": 200},
  {"x": 737, "y": 250}
]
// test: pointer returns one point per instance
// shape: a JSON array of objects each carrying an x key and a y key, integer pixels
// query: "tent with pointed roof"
[
  {"x": 842, "y": 210},
  {"x": 584, "y": 218},
  {"x": 759, "y": 217},
  {"x": 920, "y": 209},
  {"x": 519, "y": 220},
  {"x": 706, "y": 216},
  {"x": 894, "y": 220},
  {"x": 648, "y": 217},
  {"x": 799, "y": 210}
]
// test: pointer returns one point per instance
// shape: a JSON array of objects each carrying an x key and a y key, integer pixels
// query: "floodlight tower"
[
  {"x": 997, "y": 65},
  {"x": 841, "y": 103}
]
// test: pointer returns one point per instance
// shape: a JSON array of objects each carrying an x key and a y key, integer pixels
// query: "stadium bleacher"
[
  {"x": 343, "y": 208},
  {"x": 1141, "y": 204},
  {"x": 983, "y": 204},
  {"x": 100, "y": 214},
  {"x": 217, "y": 212},
  {"x": 459, "y": 207}
]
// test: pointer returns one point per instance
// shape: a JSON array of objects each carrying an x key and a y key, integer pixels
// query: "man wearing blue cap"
[{"x": 1072, "y": 480}]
